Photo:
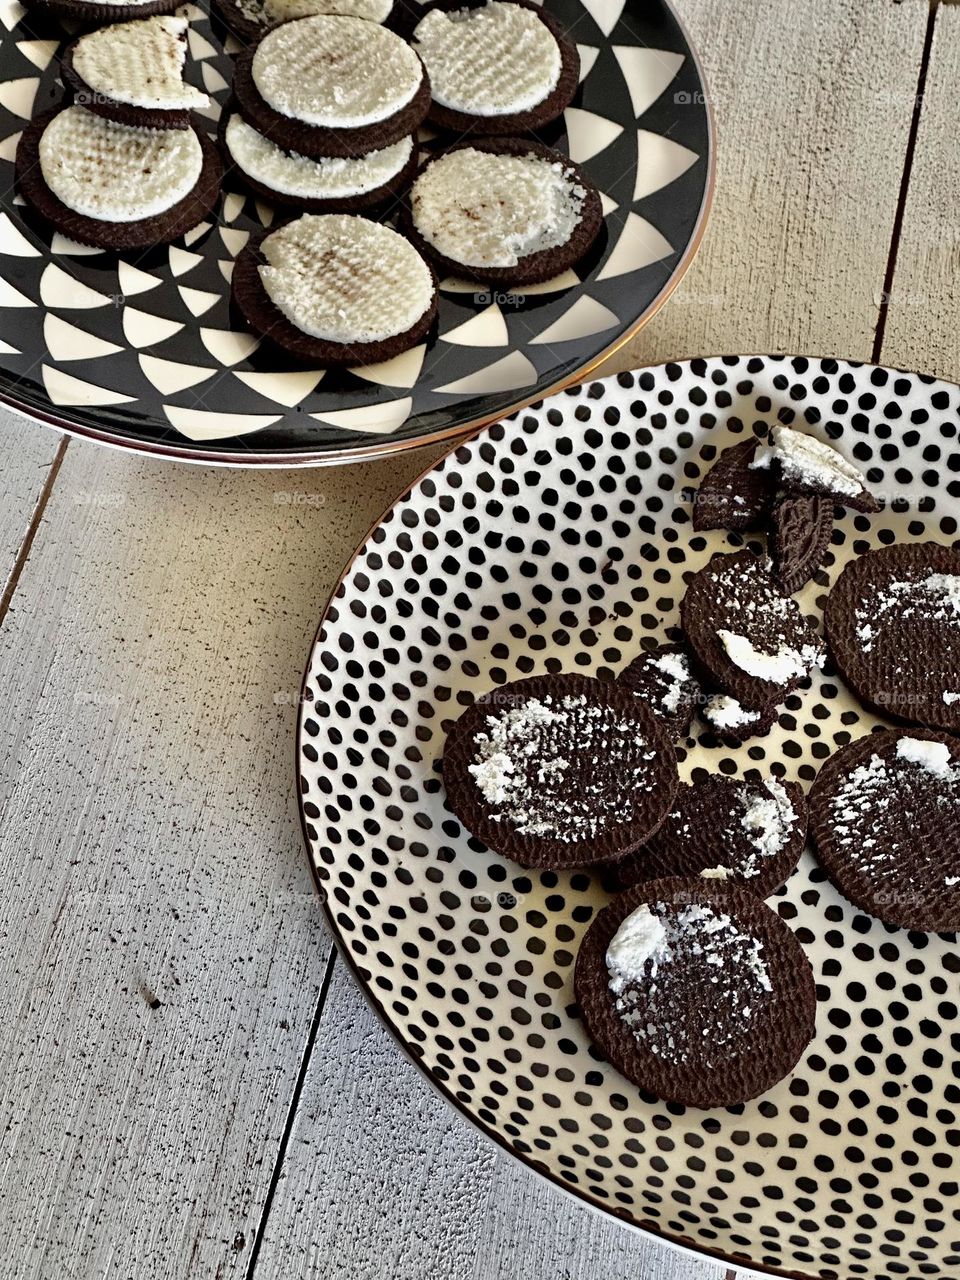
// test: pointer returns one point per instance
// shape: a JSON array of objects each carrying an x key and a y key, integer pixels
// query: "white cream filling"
[
  {"x": 932, "y": 756},
  {"x": 786, "y": 664},
  {"x": 493, "y": 60},
  {"x": 295, "y": 175},
  {"x": 345, "y": 279},
  {"x": 139, "y": 64},
  {"x": 335, "y": 72},
  {"x": 488, "y": 210},
  {"x": 114, "y": 172},
  {"x": 284, "y": 10},
  {"x": 807, "y": 460}
]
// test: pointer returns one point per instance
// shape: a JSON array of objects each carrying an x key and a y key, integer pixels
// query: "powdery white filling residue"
[
  {"x": 116, "y": 173},
  {"x": 788, "y": 663},
  {"x": 724, "y": 712},
  {"x": 488, "y": 210},
  {"x": 676, "y": 668},
  {"x": 285, "y": 10},
  {"x": 932, "y": 598},
  {"x": 139, "y": 64},
  {"x": 705, "y": 941},
  {"x": 716, "y": 873},
  {"x": 345, "y": 279},
  {"x": 932, "y": 756},
  {"x": 521, "y": 763},
  {"x": 809, "y": 462},
  {"x": 768, "y": 821},
  {"x": 493, "y": 60},
  {"x": 335, "y": 72}
]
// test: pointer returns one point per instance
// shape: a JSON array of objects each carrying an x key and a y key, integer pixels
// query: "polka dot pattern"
[{"x": 560, "y": 540}]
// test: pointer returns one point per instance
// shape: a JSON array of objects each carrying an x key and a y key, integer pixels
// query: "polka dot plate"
[
  {"x": 146, "y": 351},
  {"x": 560, "y": 540}
]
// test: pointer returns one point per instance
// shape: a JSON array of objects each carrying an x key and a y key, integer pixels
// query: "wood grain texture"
[
  {"x": 161, "y": 948},
  {"x": 28, "y": 451},
  {"x": 923, "y": 314}
]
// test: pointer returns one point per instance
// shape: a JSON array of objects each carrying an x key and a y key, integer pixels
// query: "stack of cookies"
[{"x": 123, "y": 166}]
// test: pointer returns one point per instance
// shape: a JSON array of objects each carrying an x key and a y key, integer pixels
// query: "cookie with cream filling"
[
  {"x": 336, "y": 289},
  {"x": 249, "y": 19},
  {"x": 331, "y": 86},
  {"x": 498, "y": 67},
  {"x": 132, "y": 72},
  {"x": 503, "y": 209},
  {"x": 99, "y": 13},
  {"x": 114, "y": 186}
]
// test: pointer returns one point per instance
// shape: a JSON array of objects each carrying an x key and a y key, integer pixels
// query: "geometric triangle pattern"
[{"x": 148, "y": 344}]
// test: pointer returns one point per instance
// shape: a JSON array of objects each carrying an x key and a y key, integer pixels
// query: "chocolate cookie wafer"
[
  {"x": 663, "y": 677},
  {"x": 885, "y": 815},
  {"x": 801, "y": 463},
  {"x": 497, "y": 67},
  {"x": 250, "y": 19},
  {"x": 749, "y": 832},
  {"x": 893, "y": 628},
  {"x": 503, "y": 209},
  {"x": 91, "y": 13},
  {"x": 696, "y": 991},
  {"x": 113, "y": 186},
  {"x": 733, "y": 495},
  {"x": 331, "y": 86},
  {"x": 559, "y": 771},
  {"x": 132, "y": 72},
  {"x": 750, "y": 640},
  {"x": 800, "y": 529},
  {"x": 336, "y": 289},
  {"x": 733, "y": 722}
]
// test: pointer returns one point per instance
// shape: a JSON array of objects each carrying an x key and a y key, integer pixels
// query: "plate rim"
[
  {"x": 691, "y": 1249},
  {"x": 383, "y": 448}
]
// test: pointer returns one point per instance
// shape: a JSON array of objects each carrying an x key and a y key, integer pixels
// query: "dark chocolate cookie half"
[
  {"x": 696, "y": 991},
  {"x": 751, "y": 641},
  {"x": 663, "y": 677},
  {"x": 141, "y": 233},
  {"x": 750, "y": 832},
  {"x": 358, "y": 65},
  {"x": 893, "y": 629},
  {"x": 324, "y": 273},
  {"x": 98, "y": 15},
  {"x": 734, "y": 723},
  {"x": 559, "y": 771},
  {"x": 801, "y": 463},
  {"x": 731, "y": 494},
  {"x": 885, "y": 815},
  {"x": 497, "y": 68},
  {"x": 800, "y": 530},
  {"x": 463, "y": 212}
]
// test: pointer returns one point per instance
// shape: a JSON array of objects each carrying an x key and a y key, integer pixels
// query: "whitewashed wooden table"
[{"x": 191, "y": 1085}]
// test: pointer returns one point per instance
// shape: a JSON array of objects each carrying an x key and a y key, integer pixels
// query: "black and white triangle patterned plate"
[
  {"x": 146, "y": 352},
  {"x": 560, "y": 540}
]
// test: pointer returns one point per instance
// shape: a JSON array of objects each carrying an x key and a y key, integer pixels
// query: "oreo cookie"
[
  {"x": 750, "y": 640},
  {"x": 893, "y": 629},
  {"x": 336, "y": 289},
  {"x": 800, "y": 531},
  {"x": 133, "y": 73},
  {"x": 750, "y": 832},
  {"x": 696, "y": 991},
  {"x": 497, "y": 67},
  {"x": 112, "y": 186},
  {"x": 98, "y": 15},
  {"x": 733, "y": 495},
  {"x": 733, "y": 722},
  {"x": 502, "y": 209},
  {"x": 250, "y": 19},
  {"x": 559, "y": 771},
  {"x": 326, "y": 185},
  {"x": 663, "y": 677},
  {"x": 885, "y": 815},
  {"x": 801, "y": 463},
  {"x": 331, "y": 86}
]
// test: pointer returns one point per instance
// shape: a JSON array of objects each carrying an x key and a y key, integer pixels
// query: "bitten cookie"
[
  {"x": 503, "y": 209},
  {"x": 733, "y": 722},
  {"x": 751, "y": 641},
  {"x": 249, "y": 19},
  {"x": 559, "y": 771},
  {"x": 113, "y": 186},
  {"x": 336, "y": 290},
  {"x": 893, "y": 628},
  {"x": 733, "y": 495},
  {"x": 331, "y": 86},
  {"x": 803, "y": 464},
  {"x": 92, "y": 13},
  {"x": 750, "y": 832},
  {"x": 333, "y": 184},
  {"x": 664, "y": 679},
  {"x": 133, "y": 73},
  {"x": 885, "y": 815},
  {"x": 495, "y": 67},
  {"x": 696, "y": 991},
  {"x": 800, "y": 530}
]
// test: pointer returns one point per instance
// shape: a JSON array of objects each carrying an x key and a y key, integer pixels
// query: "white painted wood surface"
[{"x": 161, "y": 953}]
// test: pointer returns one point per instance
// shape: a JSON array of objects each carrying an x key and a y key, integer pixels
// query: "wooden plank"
[
  {"x": 382, "y": 1179},
  {"x": 162, "y": 948},
  {"x": 810, "y": 167},
  {"x": 923, "y": 315},
  {"x": 28, "y": 451}
]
